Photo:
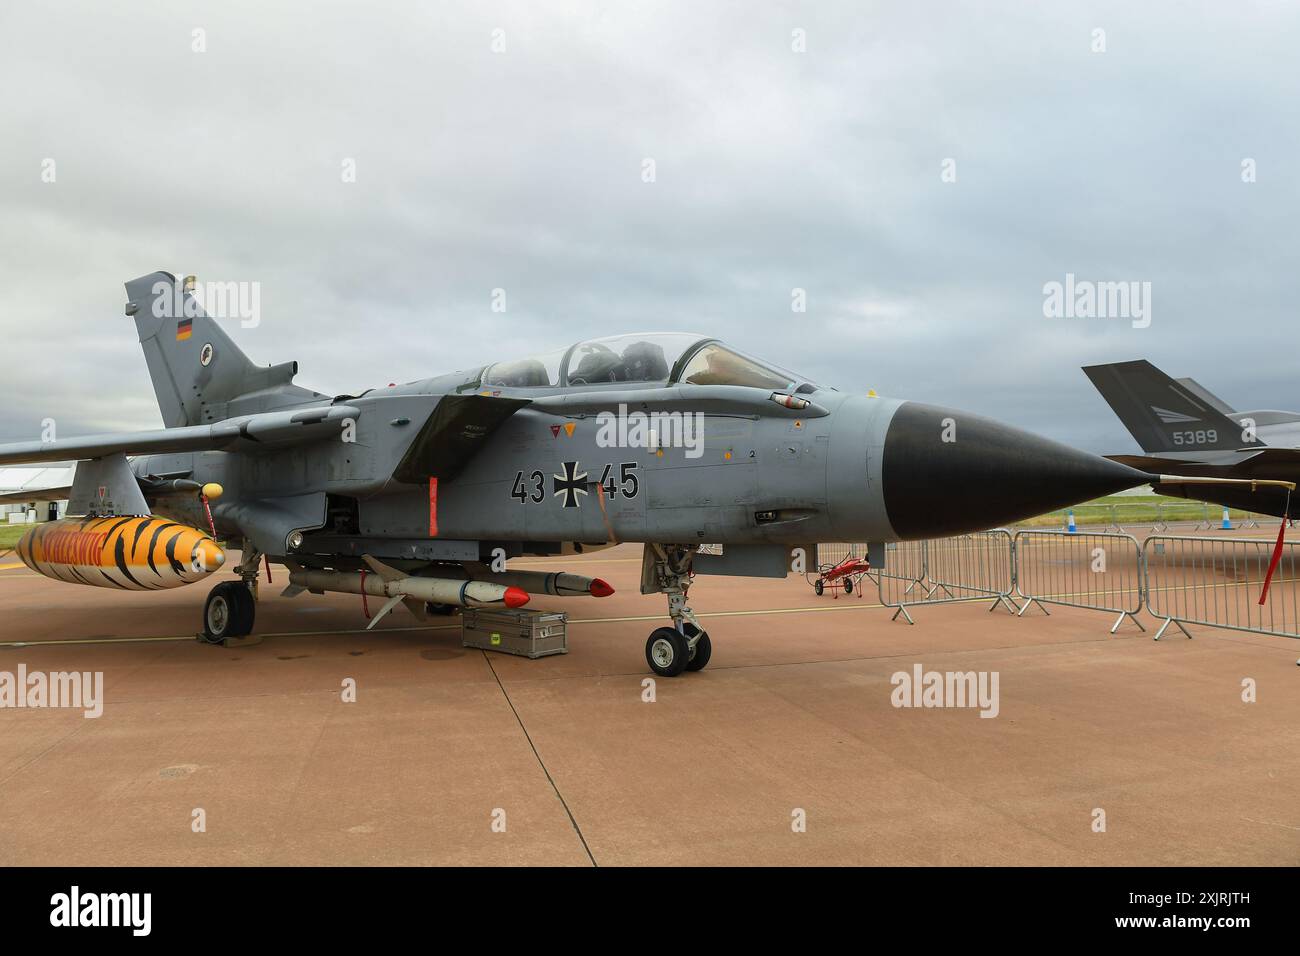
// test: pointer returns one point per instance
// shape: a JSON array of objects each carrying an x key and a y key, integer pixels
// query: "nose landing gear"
[
  {"x": 666, "y": 569},
  {"x": 701, "y": 648}
]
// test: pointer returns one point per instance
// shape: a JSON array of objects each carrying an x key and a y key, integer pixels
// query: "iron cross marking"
[{"x": 571, "y": 484}]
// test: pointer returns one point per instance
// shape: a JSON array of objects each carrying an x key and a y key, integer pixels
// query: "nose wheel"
[
  {"x": 685, "y": 646},
  {"x": 701, "y": 649},
  {"x": 669, "y": 651}
]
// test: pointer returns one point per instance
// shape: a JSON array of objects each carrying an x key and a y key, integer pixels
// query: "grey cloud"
[{"x": 521, "y": 170}]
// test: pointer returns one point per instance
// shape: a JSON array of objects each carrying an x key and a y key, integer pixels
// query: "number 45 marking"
[{"x": 626, "y": 478}]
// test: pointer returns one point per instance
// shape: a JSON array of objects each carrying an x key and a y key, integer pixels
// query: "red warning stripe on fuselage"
[{"x": 433, "y": 507}]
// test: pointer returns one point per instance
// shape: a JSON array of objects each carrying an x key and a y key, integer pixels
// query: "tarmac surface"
[{"x": 792, "y": 720}]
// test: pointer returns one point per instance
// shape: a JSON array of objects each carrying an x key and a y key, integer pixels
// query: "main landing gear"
[
  {"x": 231, "y": 607},
  {"x": 685, "y": 646}
]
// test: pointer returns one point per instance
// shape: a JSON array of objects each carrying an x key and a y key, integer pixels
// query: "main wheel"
[
  {"x": 247, "y": 605},
  {"x": 848, "y": 585},
  {"x": 667, "y": 652},
  {"x": 703, "y": 650},
  {"x": 819, "y": 587},
  {"x": 228, "y": 612}
]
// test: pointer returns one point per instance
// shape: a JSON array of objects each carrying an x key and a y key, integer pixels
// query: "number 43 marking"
[{"x": 538, "y": 493}]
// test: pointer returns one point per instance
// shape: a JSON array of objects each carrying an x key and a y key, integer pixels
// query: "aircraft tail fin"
[
  {"x": 197, "y": 370},
  {"x": 1205, "y": 395},
  {"x": 1164, "y": 415}
]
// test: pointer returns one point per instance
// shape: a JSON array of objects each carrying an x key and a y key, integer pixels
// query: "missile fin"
[
  {"x": 385, "y": 572},
  {"x": 383, "y": 611}
]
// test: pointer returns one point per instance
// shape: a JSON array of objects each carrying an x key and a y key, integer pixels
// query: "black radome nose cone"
[{"x": 947, "y": 472}]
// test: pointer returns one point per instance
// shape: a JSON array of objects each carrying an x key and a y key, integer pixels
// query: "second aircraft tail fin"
[{"x": 1162, "y": 414}]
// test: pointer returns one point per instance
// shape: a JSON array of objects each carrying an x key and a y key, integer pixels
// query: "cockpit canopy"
[{"x": 654, "y": 358}]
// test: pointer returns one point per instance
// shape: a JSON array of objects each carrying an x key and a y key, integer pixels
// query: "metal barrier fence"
[
  {"x": 903, "y": 574},
  {"x": 1217, "y": 583},
  {"x": 1101, "y": 571},
  {"x": 971, "y": 567},
  {"x": 1214, "y": 582}
]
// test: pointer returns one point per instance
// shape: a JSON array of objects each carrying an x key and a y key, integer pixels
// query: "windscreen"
[{"x": 719, "y": 365}]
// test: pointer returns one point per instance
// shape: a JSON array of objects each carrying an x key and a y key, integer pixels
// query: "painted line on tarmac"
[
  {"x": 759, "y": 612},
  {"x": 194, "y": 637},
  {"x": 544, "y": 563},
  {"x": 856, "y": 605},
  {"x": 436, "y": 627},
  {"x": 95, "y": 640}
]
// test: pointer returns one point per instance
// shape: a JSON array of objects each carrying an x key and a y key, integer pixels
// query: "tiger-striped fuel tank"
[{"x": 132, "y": 554}]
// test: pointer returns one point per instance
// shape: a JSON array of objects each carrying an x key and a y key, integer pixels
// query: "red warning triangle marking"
[{"x": 555, "y": 431}]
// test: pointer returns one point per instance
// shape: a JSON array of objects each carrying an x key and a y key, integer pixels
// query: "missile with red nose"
[
  {"x": 556, "y": 583},
  {"x": 482, "y": 589},
  {"x": 399, "y": 587}
]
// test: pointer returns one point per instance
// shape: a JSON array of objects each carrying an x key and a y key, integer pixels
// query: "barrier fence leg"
[
  {"x": 1030, "y": 603},
  {"x": 902, "y": 609},
  {"x": 1003, "y": 601},
  {"x": 1135, "y": 621},
  {"x": 1164, "y": 627}
]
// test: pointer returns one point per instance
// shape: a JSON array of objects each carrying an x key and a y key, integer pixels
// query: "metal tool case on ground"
[{"x": 530, "y": 634}]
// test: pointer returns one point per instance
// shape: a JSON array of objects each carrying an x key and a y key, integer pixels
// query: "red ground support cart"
[{"x": 845, "y": 576}]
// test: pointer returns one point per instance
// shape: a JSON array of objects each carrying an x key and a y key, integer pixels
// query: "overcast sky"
[{"x": 522, "y": 169}]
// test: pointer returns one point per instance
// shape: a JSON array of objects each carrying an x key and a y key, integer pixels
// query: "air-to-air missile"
[
  {"x": 555, "y": 583},
  {"x": 381, "y": 580},
  {"x": 670, "y": 440},
  {"x": 479, "y": 588}
]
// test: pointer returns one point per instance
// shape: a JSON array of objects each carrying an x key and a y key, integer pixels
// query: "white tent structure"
[{"x": 16, "y": 480}]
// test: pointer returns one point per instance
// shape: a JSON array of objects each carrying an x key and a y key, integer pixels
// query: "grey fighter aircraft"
[
  {"x": 420, "y": 494},
  {"x": 1180, "y": 426}
]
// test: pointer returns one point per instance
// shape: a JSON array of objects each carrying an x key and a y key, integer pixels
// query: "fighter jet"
[
  {"x": 1181, "y": 426},
  {"x": 421, "y": 494}
]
